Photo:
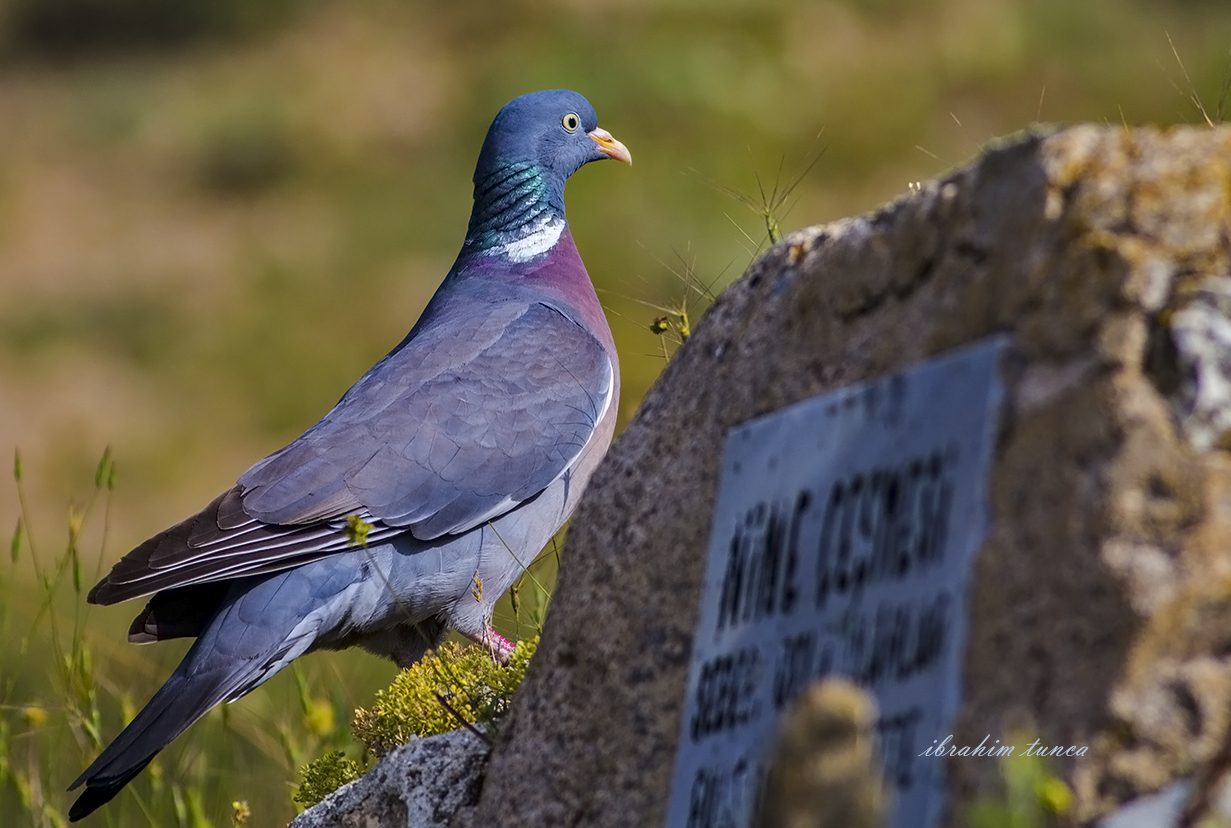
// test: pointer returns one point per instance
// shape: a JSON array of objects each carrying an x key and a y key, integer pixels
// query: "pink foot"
[{"x": 499, "y": 646}]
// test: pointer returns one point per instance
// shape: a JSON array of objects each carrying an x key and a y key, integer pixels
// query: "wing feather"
[
  {"x": 461, "y": 423},
  {"x": 422, "y": 457}
]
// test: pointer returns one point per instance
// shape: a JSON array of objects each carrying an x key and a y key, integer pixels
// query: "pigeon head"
[
  {"x": 535, "y": 143},
  {"x": 555, "y": 130}
]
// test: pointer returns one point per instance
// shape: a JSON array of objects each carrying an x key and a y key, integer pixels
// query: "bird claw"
[{"x": 499, "y": 646}]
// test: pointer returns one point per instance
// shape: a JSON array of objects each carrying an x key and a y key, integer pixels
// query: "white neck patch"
[{"x": 540, "y": 237}]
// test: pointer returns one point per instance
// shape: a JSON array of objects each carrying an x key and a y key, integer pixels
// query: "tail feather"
[
  {"x": 177, "y": 613},
  {"x": 184, "y": 698},
  {"x": 255, "y": 629},
  {"x": 92, "y": 798}
]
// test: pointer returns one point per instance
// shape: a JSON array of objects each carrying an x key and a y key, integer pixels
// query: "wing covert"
[
  {"x": 421, "y": 443},
  {"x": 440, "y": 446}
]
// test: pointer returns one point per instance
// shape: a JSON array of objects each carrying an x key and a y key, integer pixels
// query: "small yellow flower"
[
  {"x": 1055, "y": 795},
  {"x": 76, "y": 518},
  {"x": 320, "y": 719},
  {"x": 356, "y": 530},
  {"x": 35, "y": 716}
]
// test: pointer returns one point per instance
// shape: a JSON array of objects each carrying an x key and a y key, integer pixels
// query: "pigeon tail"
[{"x": 186, "y": 696}]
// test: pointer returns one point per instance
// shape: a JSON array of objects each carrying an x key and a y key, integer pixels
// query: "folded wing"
[{"x": 460, "y": 424}]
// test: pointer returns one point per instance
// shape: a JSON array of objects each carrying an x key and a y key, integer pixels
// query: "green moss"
[
  {"x": 324, "y": 776},
  {"x": 467, "y": 678}
]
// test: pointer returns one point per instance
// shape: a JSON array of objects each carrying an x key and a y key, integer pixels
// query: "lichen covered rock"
[
  {"x": 1101, "y": 606},
  {"x": 422, "y": 784}
]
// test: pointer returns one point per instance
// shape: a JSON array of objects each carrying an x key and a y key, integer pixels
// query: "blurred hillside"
[
  {"x": 210, "y": 226},
  {"x": 214, "y": 219}
]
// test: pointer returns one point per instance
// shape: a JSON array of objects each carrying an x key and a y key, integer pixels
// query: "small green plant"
[
  {"x": 673, "y": 320},
  {"x": 769, "y": 204},
  {"x": 1034, "y": 797},
  {"x": 452, "y": 687},
  {"x": 240, "y": 812},
  {"x": 428, "y": 698},
  {"x": 1216, "y": 117},
  {"x": 32, "y": 724},
  {"x": 673, "y": 323},
  {"x": 357, "y": 530},
  {"x": 324, "y": 776}
]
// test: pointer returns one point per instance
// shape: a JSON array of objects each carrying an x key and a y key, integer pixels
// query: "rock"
[
  {"x": 1101, "y": 606},
  {"x": 1166, "y": 809},
  {"x": 422, "y": 784}
]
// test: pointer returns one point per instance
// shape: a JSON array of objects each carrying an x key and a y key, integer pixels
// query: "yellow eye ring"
[{"x": 571, "y": 122}]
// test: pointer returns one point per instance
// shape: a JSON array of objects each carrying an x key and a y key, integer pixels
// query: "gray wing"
[
  {"x": 442, "y": 445},
  {"x": 457, "y": 426}
]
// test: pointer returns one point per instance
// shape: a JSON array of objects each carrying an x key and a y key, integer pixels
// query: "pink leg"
[{"x": 499, "y": 646}]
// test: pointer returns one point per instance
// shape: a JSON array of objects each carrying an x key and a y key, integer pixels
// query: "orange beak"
[{"x": 610, "y": 146}]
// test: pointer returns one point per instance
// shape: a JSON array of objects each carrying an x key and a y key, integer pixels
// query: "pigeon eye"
[{"x": 571, "y": 122}]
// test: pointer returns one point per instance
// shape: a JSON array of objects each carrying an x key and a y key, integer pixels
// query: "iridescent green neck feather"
[{"x": 517, "y": 213}]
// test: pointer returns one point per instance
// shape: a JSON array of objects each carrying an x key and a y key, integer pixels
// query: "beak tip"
[{"x": 610, "y": 147}]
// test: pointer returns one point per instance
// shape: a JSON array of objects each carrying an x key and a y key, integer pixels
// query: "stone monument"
[{"x": 1098, "y": 608}]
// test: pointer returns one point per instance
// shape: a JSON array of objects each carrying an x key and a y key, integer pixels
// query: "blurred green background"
[{"x": 216, "y": 214}]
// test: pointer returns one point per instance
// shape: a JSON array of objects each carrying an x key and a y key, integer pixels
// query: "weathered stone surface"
[
  {"x": 1166, "y": 809},
  {"x": 422, "y": 784},
  {"x": 1101, "y": 612}
]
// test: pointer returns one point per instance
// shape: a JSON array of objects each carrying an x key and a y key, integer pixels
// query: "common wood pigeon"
[{"x": 414, "y": 504}]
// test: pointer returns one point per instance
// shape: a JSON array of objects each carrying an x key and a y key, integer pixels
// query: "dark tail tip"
[
  {"x": 99, "y": 792},
  {"x": 176, "y": 705}
]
